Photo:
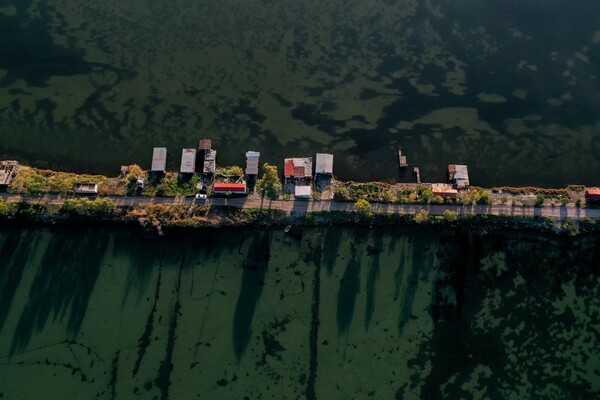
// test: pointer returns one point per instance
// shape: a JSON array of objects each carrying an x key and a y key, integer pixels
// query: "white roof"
[
  {"x": 252, "y": 162},
  {"x": 188, "y": 161},
  {"x": 302, "y": 191},
  {"x": 461, "y": 176},
  {"x": 324, "y": 163},
  {"x": 159, "y": 159}
]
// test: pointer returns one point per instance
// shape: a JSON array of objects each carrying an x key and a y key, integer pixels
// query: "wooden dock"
[
  {"x": 402, "y": 159},
  {"x": 418, "y": 173}
]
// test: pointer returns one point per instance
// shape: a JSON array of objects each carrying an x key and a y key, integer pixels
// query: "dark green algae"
[{"x": 337, "y": 312}]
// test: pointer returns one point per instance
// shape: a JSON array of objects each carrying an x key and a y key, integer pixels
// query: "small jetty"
[
  {"x": 402, "y": 159},
  {"x": 418, "y": 173}
]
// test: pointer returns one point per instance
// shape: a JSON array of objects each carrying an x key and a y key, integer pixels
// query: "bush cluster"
[{"x": 84, "y": 207}]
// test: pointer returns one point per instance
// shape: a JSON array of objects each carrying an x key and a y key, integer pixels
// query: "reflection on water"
[
  {"x": 510, "y": 88},
  {"x": 323, "y": 313}
]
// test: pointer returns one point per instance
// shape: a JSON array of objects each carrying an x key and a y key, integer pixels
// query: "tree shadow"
[
  {"x": 63, "y": 284},
  {"x": 331, "y": 244},
  {"x": 14, "y": 253},
  {"x": 374, "y": 267},
  {"x": 143, "y": 253},
  {"x": 350, "y": 284},
  {"x": 417, "y": 262},
  {"x": 253, "y": 280}
]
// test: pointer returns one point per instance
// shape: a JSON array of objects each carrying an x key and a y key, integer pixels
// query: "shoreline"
[{"x": 53, "y": 202}]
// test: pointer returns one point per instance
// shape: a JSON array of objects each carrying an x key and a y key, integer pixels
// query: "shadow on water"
[
  {"x": 144, "y": 254},
  {"x": 350, "y": 283},
  {"x": 331, "y": 244},
  {"x": 374, "y": 266},
  {"x": 419, "y": 260},
  {"x": 14, "y": 253},
  {"x": 253, "y": 280},
  {"x": 63, "y": 284}
]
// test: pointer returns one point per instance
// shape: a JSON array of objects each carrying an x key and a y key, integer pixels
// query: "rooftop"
[
  {"x": 459, "y": 174},
  {"x": 252, "y": 162},
  {"x": 188, "y": 161},
  {"x": 8, "y": 170},
  {"x": 324, "y": 163},
  {"x": 229, "y": 187},
  {"x": 297, "y": 167},
  {"x": 205, "y": 144},
  {"x": 159, "y": 159},
  {"x": 209, "y": 162},
  {"x": 302, "y": 191}
]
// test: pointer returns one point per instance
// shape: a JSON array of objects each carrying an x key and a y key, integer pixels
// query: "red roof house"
[
  {"x": 446, "y": 193},
  {"x": 592, "y": 194},
  {"x": 297, "y": 167},
  {"x": 223, "y": 188}
]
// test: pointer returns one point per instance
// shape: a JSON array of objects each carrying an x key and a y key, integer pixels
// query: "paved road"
[{"x": 560, "y": 213}]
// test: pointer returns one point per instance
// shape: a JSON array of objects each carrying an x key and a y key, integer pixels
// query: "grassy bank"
[{"x": 104, "y": 211}]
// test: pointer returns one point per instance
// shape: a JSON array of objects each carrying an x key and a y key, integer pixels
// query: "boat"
[{"x": 287, "y": 228}]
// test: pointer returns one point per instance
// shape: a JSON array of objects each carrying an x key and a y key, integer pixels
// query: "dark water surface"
[
  {"x": 510, "y": 87},
  {"x": 335, "y": 313}
]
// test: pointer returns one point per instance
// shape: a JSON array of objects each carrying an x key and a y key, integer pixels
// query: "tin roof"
[
  {"x": 188, "y": 161},
  {"x": 209, "y": 162},
  {"x": 459, "y": 174},
  {"x": 159, "y": 159},
  {"x": 302, "y": 191},
  {"x": 205, "y": 144},
  {"x": 252, "y": 162},
  {"x": 324, "y": 163}
]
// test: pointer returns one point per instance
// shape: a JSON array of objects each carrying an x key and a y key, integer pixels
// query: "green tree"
[
  {"x": 422, "y": 216},
  {"x": 484, "y": 198},
  {"x": 35, "y": 184},
  {"x": 450, "y": 215},
  {"x": 235, "y": 170},
  {"x": 387, "y": 196},
  {"x": 341, "y": 193},
  {"x": 269, "y": 184},
  {"x": 569, "y": 227},
  {"x": 427, "y": 195},
  {"x": 363, "y": 208},
  {"x": 135, "y": 172},
  {"x": 539, "y": 200},
  {"x": 3, "y": 207},
  {"x": 438, "y": 200}
]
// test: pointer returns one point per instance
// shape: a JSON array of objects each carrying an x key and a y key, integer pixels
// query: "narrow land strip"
[{"x": 560, "y": 213}]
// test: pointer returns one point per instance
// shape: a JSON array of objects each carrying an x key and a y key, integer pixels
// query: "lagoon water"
[
  {"x": 327, "y": 313},
  {"x": 509, "y": 87}
]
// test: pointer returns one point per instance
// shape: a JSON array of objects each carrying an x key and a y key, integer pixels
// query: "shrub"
[
  {"x": 450, "y": 215},
  {"x": 484, "y": 197},
  {"x": 341, "y": 193},
  {"x": 569, "y": 227},
  {"x": 422, "y": 216},
  {"x": 84, "y": 207},
  {"x": 363, "y": 208},
  {"x": 539, "y": 200}
]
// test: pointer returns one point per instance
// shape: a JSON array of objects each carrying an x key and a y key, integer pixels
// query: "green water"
[
  {"x": 336, "y": 313},
  {"x": 511, "y": 87}
]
